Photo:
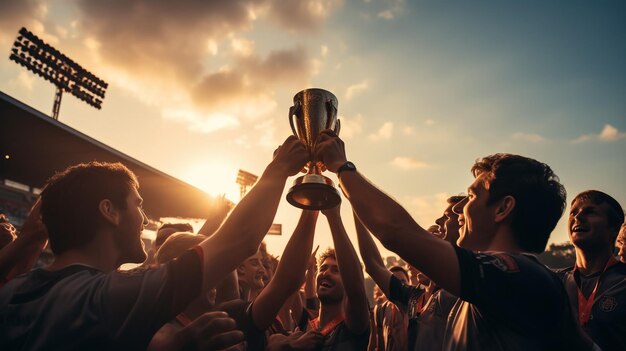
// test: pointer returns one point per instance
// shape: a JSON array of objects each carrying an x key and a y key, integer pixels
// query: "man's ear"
[
  {"x": 241, "y": 270},
  {"x": 504, "y": 209},
  {"x": 109, "y": 212}
]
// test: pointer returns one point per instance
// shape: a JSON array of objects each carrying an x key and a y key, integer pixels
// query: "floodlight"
[{"x": 68, "y": 76}]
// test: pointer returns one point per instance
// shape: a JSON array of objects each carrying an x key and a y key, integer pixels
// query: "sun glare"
[{"x": 215, "y": 179}]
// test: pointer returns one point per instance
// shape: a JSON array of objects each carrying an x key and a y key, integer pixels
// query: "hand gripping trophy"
[{"x": 313, "y": 111}]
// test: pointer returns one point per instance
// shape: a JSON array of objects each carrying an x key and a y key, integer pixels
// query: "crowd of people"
[{"x": 471, "y": 281}]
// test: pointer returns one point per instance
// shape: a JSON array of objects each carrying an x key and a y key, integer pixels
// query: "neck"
[
  {"x": 329, "y": 311},
  {"x": 99, "y": 253},
  {"x": 504, "y": 241},
  {"x": 591, "y": 261}
]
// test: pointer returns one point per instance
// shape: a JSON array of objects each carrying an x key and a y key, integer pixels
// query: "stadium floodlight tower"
[
  {"x": 245, "y": 180},
  {"x": 68, "y": 76}
]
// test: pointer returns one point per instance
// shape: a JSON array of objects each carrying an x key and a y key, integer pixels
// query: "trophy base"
[{"x": 313, "y": 192}]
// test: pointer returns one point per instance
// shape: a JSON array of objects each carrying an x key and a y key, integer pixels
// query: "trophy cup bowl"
[{"x": 314, "y": 110}]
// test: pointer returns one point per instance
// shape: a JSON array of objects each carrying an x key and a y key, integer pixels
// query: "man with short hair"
[
  {"x": 94, "y": 217},
  {"x": 448, "y": 222},
  {"x": 344, "y": 313},
  {"x": 508, "y": 300},
  {"x": 166, "y": 230},
  {"x": 596, "y": 284}
]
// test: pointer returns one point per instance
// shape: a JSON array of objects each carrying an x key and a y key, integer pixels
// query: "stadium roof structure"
[{"x": 38, "y": 146}]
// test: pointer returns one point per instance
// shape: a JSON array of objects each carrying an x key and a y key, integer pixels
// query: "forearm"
[
  {"x": 398, "y": 232},
  {"x": 356, "y": 307},
  {"x": 381, "y": 214},
  {"x": 242, "y": 232},
  {"x": 295, "y": 257},
  {"x": 288, "y": 274},
  {"x": 371, "y": 257}
]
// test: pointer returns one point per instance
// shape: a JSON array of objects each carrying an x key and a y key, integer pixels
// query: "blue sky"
[{"x": 201, "y": 89}]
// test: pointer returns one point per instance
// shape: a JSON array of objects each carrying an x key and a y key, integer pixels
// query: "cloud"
[
  {"x": 528, "y": 137},
  {"x": 356, "y": 89},
  {"x": 425, "y": 209},
  {"x": 608, "y": 134},
  {"x": 202, "y": 123},
  {"x": 304, "y": 15},
  {"x": 404, "y": 162},
  {"x": 385, "y": 132},
  {"x": 351, "y": 126},
  {"x": 14, "y": 14},
  {"x": 394, "y": 9}
]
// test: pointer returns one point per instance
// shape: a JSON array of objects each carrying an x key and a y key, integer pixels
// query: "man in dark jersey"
[
  {"x": 344, "y": 313},
  {"x": 404, "y": 299},
  {"x": 94, "y": 219},
  {"x": 508, "y": 300},
  {"x": 596, "y": 284}
]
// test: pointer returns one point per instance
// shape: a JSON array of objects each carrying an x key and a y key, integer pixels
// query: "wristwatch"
[{"x": 348, "y": 166}]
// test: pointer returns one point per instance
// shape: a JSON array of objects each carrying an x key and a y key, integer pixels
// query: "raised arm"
[
  {"x": 241, "y": 233},
  {"x": 371, "y": 257},
  {"x": 390, "y": 222},
  {"x": 20, "y": 255},
  {"x": 355, "y": 307},
  {"x": 289, "y": 273}
]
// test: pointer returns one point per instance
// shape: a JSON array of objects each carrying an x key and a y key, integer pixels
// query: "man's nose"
[{"x": 458, "y": 208}]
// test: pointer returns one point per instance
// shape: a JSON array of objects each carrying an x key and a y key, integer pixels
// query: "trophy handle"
[
  {"x": 293, "y": 111},
  {"x": 337, "y": 126},
  {"x": 331, "y": 110}
]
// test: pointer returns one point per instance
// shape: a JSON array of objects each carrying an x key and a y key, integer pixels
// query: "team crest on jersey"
[
  {"x": 608, "y": 304},
  {"x": 501, "y": 261}
]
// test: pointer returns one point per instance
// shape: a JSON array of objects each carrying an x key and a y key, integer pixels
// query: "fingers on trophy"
[{"x": 314, "y": 110}]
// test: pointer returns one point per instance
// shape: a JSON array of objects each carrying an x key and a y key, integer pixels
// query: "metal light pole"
[{"x": 68, "y": 76}]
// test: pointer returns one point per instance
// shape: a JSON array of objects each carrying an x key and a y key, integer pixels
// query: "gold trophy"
[{"x": 313, "y": 111}]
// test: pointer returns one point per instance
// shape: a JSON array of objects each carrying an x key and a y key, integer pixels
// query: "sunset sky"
[{"x": 200, "y": 89}]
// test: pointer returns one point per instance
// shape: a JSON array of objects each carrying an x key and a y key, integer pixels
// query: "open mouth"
[
  {"x": 579, "y": 229},
  {"x": 325, "y": 284}
]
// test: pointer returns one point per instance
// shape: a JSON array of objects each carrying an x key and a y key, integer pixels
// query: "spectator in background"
[
  {"x": 395, "y": 317},
  {"x": 344, "y": 313},
  {"x": 449, "y": 221},
  {"x": 254, "y": 317},
  {"x": 507, "y": 300},
  {"x": 166, "y": 229},
  {"x": 596, "y": 284},
  {"x": 94, "y": 218}
]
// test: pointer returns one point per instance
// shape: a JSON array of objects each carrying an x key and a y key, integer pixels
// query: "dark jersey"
[
  {"x": 342, "y": 338},
  {"x": 607, "y": 323},
  {"x": 409, "y": 299},
  {"x": 79, "y": 307},
  {"x": 509, "y": 302}
]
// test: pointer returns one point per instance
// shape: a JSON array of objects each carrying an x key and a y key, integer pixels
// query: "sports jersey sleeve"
[
  {"x": 404, "y": 295},
  {"x": 513, "y": 289},
  {"x": 138, "y": 302}
]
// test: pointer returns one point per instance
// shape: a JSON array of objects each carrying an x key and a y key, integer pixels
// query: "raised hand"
[
  {"x": 330, "y": 150},
  {"x": 291, "y": 157}
]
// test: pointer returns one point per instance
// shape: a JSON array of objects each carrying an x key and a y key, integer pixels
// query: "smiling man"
[
  {"x": 596, "y": 284},
  {"x": 507, "y": 299},
  {"x": 94, "y": 217}
]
